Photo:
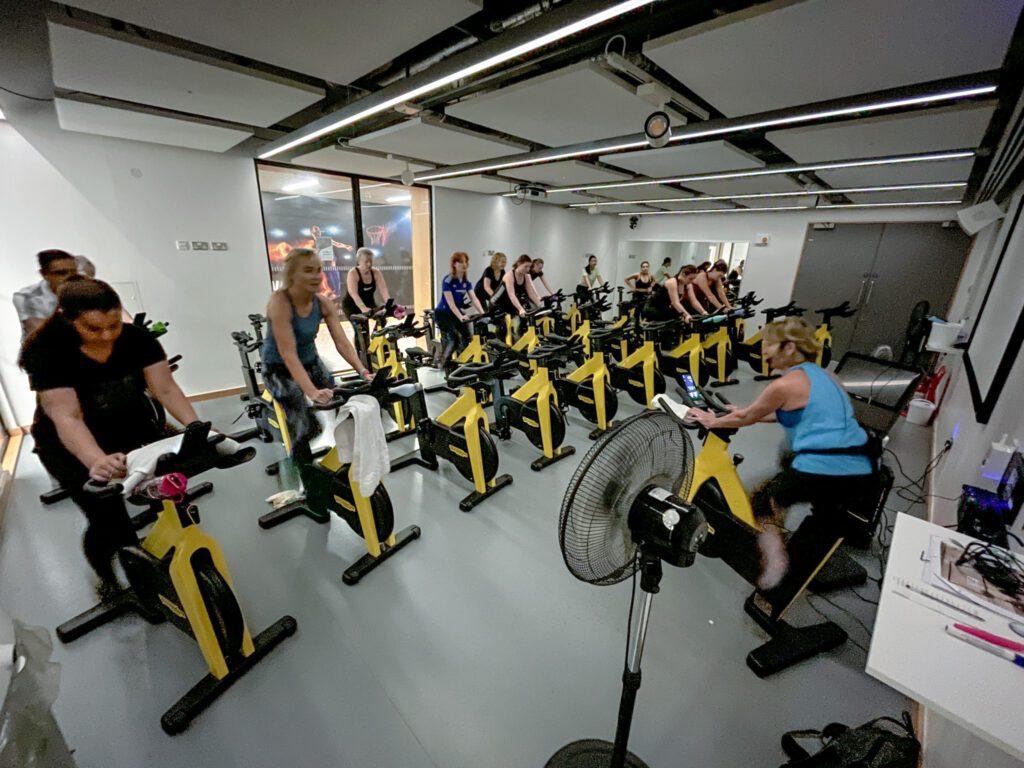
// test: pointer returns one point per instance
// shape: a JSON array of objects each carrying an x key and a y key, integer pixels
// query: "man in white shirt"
[{"x": 35, "y": 303}]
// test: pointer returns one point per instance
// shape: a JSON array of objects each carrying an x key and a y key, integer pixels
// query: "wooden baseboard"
[
  {"x": 217, "y": 393},
  {"x": 8, "y": 464}
]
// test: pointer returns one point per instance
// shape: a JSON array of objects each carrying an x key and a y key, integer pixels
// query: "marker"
[
  {"x": 1003, "y": 642},
  {"x": 984, "y": 645}
]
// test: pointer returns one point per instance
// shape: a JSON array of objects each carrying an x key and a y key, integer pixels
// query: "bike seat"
[
  {"x": 241, "y": 337},
  {"x": 418, "y": 353},
  {"x": 405, "y": 390}
]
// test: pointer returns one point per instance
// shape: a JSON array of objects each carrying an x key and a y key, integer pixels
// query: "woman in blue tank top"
[
  {"x": 292, "y": 369},
  {"x": 829, "y": 466}
]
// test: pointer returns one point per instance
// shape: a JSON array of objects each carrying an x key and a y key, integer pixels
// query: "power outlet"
[
  {"x": 200, "y": 245},
  {"x": 182, "y": 245},
  {"x": 219, "y": 245}
]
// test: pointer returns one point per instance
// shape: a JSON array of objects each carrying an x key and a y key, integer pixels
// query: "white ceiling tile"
[
  {"x": 906, "y": 173},
  {"x": 333, "y": 159},
  {"x": 773, "y": 202},
  {"x": 562, "y": 198},
  {"x": 745, "y": 186},
  {"x": 684, "y": 159},
  {"x": 337, "y": 41},
  {"x": 91, "y": 63},
  {"x": 483, "y": 184},
  {"x": 908, "y": 196},
  {"x": 693, "y": 205},
  {"x": 564, "y": 173},
  {"x": 139, "y": 126},
  {"x": 437, "y": 143},
  {"x": 931, "y": 130},
  {"x": 565, "y": 107},
  {"x": 799, "y": 53}
]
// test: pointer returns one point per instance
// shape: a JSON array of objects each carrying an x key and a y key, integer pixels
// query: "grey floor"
[{"x": 472, "y": 648}]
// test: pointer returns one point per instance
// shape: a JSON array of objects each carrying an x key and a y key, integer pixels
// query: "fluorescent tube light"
[
  {"x": 480, "y": 66},
  {"x": 398, "y": 199},
  {"x": 719, "y": 210},
  {"x": 829, "y": 166},
  {"x": 287, "y": 197},
  {"x": 889, "y": 205},
  {"x": 303, "y": 184},
  {"x": 762, "y": 195}
]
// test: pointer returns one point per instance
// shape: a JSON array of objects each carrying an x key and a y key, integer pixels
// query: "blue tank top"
[
  {"x": 827, "y": 421},
  {"x": 305, "y": 330}
]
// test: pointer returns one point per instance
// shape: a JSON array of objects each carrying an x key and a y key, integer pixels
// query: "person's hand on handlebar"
[
  {"x": 702, "y": 417},
  {"x": 108, "y": 467},
  {"x": 322, "y": 396}
]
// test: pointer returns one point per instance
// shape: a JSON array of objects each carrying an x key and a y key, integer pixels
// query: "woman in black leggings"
[{"x": 91, "y": 372}]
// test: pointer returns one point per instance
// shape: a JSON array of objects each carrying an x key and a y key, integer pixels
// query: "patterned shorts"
[{"x": 303, "y": 425}]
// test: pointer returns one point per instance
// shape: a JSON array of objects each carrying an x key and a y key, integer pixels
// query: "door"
[
  {"x": 836, "y": 266},
  {"x": 915, "y": 262}
]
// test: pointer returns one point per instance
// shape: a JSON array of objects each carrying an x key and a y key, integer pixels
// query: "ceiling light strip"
[
  {"x": 762, "y": 195},
  {"x": 468, "y": 71},
  {"x": 793, "y": 208},
  {"x": 725, "y": 127},
  {"x": 958, "y": 154}
]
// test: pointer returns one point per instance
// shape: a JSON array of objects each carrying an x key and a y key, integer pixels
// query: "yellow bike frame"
[
  {"x": 540, "y": 385},
  {"x": 646, "y": 357},
  {"x": 686, "y": 356},
  {"x": 720, "y": 338},
  {"x": 467, "y": 408},
  {"x": 714, "y": 461},
  {"x": 596, "y": 369}
]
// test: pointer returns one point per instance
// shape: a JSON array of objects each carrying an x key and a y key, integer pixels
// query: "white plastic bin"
[{"x": 920, "y": 410}]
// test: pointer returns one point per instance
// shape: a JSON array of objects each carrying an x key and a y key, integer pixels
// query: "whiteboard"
[{"x": 995, "y": 338}]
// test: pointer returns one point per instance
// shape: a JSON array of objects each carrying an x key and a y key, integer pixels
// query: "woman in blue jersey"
[
  {"x": 450, "y": 314},
  {"x": 829, "y": 460},
  {"x": 292, "y": 369}
]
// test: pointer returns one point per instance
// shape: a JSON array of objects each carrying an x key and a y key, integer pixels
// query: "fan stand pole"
[{"x": 650, "y": 580}]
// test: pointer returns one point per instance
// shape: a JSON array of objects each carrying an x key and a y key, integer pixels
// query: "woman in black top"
[
  {"x": 517, "y": 292},
  {"x": 362, "y": 283},
  {"x": 666, "y": 301},
  {"x": 491, "y": 279},
  {"x": 91, "y": 372},
  {"x": 641, "y": 282}
]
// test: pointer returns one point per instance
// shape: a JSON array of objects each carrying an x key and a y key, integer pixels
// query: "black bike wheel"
[
  {"x": 460, "y": 454},
  {"x": 380, "y": 505},
  {"x": 531, "y": 424},
  {"x": 221, "y": 605},
  {"x": 587, "y": 404}
]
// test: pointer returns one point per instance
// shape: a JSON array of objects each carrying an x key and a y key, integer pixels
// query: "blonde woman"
[
  {"x": 830, "y": 466},
  {"x": 490, "y": 280},
  {"x": 362, "y": 284},
  {"x": 292, "y": 369}
]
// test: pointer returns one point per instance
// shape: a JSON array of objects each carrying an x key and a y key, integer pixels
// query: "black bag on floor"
[{"x": 882, "y": 743}]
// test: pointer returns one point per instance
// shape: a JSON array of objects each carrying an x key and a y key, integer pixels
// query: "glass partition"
[{"x": 335, "y": 215}]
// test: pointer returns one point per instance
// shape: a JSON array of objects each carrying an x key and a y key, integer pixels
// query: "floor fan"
[{"x": 624, "y": 511}]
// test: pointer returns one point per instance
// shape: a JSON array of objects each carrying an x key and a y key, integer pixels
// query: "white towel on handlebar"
[
  {"x": 360, "y": 440},
  {"x": 142, "y": 461}
]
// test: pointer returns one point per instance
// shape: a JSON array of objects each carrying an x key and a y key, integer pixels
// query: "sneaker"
[{"x": 774, "y": 558}]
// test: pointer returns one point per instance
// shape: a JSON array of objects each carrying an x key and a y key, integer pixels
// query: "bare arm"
[
  {"x": 694, "y": 301},
  {"x": 544, "y": 282},
  {"x": 720, "y": 290},
  {"x": 630, "y": 281},
  {"x": 707, "y": 292},
  {"x": 510, "y": 288},
  {"x": 279, "y": 315},
  {"x": 476, "y": 302},
  {"x": 487, "y": 286},
  {"x": 788, "y": 390},
  {"x": 64, "y": 410},
  {"x": 162, "y": 384},
  {"x": 531, "y": 291},
  {"x": 673, "y": 297},
  {"x": 341, "y": 342},
  {"x": 352, "y": 286},
  {"x": 382, "y": 284}
]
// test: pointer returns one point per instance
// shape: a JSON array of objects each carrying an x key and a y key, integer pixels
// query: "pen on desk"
[
  {"x": 1004, "y": 642},
  {"x": 984, "y": 645}
]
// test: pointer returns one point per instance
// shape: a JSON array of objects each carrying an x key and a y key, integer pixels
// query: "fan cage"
[{"x": 593, "y": 532}]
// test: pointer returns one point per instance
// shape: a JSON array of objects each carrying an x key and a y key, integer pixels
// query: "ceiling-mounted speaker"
[
  {"x": 977, "y": 217},
  {"x": 408, "y": 177}
]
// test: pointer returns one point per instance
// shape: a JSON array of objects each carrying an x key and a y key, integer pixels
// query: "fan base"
[{"x": 590, "y": 753}]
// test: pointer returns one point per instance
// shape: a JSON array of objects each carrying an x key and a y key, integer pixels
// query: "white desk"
[{"x": 911, "y": 651}]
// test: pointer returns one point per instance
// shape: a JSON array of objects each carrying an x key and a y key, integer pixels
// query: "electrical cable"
[
  {"x": 25, "y": 95},
  {"x": 827, "y": 618}
]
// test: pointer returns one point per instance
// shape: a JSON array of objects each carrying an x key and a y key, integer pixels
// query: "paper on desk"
[{"x": 942, "y": 571}]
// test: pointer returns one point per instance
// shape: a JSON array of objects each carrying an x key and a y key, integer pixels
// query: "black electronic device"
[{"x": 984, "y": 515}]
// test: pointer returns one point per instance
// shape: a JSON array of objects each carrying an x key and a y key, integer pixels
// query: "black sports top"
[{"x": 366, "y": 293}]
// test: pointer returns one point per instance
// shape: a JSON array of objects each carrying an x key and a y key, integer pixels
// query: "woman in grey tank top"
[{"x": 292, "y": 369}]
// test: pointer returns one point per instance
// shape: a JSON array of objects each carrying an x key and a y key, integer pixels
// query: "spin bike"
[
  {"x": 813, "y": 557},
  {"x": 749, "y": 349},
  {"x": 334, "y": 489},
  {"x": 259, "y": 404},
  {"x": 384, "y": 353},
  {"x": 533, "y": 407},
  {"x": 718, "y": 358},
  {"x": 588, "y": 388},
  {"x": 461, "y": 434},
  {"x": 823, "y": 334},
  {"x": 638, "y": 373},
  {"x": 178, "y": 574}
]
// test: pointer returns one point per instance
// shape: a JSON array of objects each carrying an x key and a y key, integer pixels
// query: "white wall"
[
  {"x": 956, "y": 413},
  {"x": 475, "y": 223},
  {"x": 123, "y": 204}
]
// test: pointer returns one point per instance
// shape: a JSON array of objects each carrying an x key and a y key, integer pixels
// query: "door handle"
[
  {"x": 871, "y": 288},
  {"x": 860, "y": 293}
]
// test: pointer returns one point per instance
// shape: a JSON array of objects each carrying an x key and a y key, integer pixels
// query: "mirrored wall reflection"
[{"x": 666, "y": 257}]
